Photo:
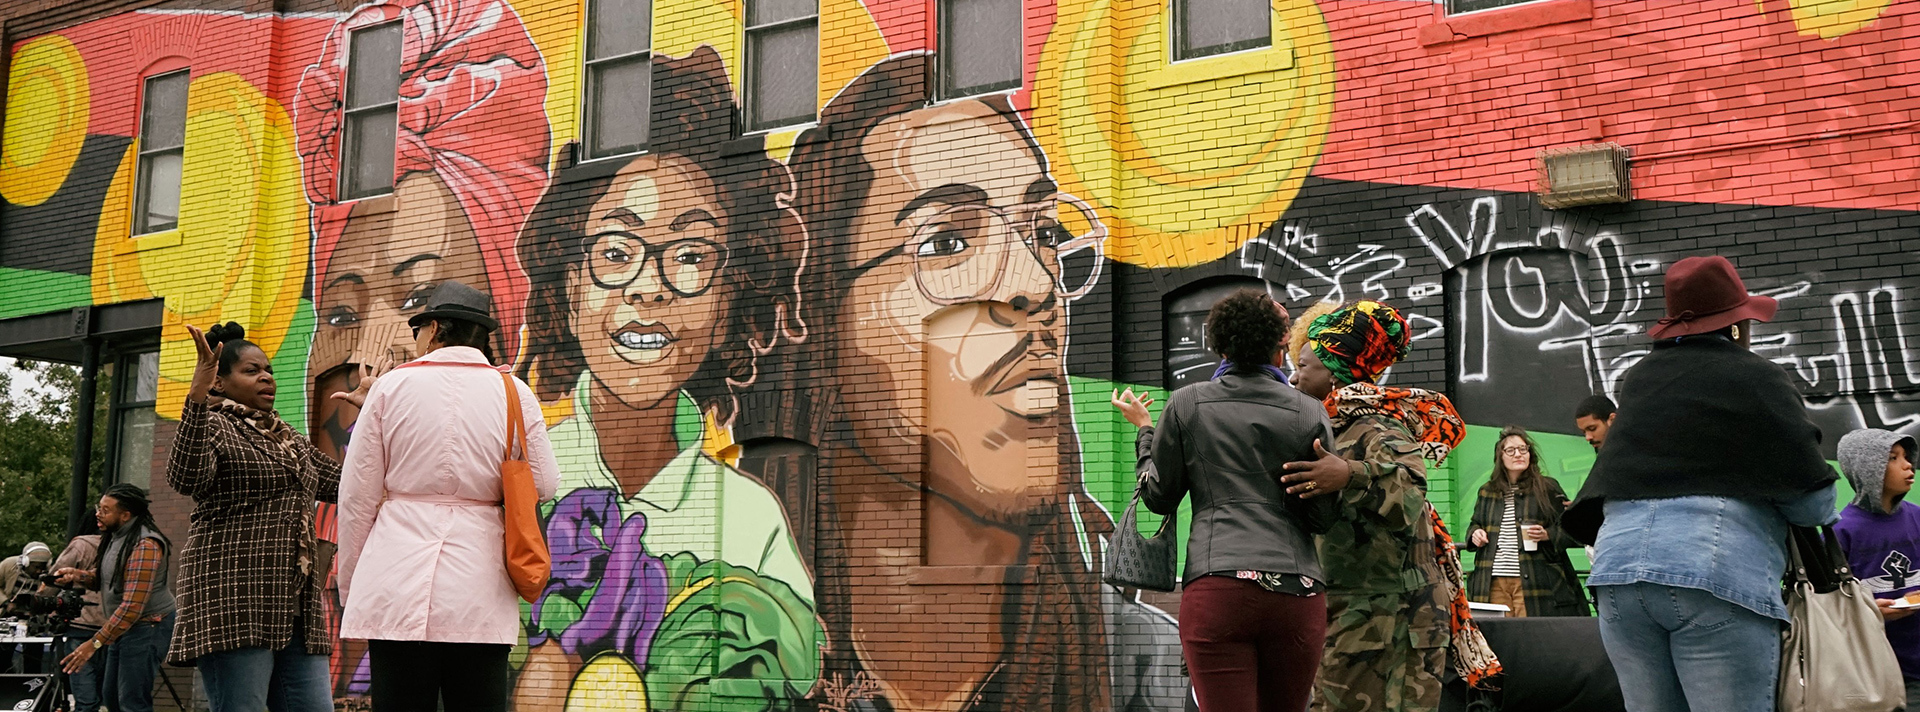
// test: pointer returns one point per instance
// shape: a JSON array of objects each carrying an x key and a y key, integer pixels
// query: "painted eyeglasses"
[
  {"x": 960, "y": 254},
  {"x": 687, "y": 267}
]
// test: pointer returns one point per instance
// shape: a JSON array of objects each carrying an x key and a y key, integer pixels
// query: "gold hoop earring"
[{"x": 1736, "y": 332}]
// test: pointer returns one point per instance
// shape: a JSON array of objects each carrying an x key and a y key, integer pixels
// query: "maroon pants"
[{"x": 1249, "y": 649}]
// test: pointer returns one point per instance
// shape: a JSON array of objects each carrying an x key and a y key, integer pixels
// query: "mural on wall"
[{"x": 829, "y": 398}]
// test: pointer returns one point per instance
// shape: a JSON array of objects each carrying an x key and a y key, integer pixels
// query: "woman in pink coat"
[{"x": 422, "y": 571}]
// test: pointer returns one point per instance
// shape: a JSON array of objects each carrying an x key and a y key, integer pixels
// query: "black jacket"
[
  {"x": 1704, "y": 416},
  {"x": 1226, "y": 441},
  {"x": 1548, "y": 580}
]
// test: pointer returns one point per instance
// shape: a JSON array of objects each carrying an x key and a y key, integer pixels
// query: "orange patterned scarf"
[
  {"x": 1429, "y": 416},
  {"x": 1473, "y": 660}
]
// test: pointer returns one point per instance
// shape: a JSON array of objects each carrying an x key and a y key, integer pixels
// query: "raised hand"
[
  {"x": 206, "y": 367},
  {"x": 368, "y": 374},
  {"x": 1133, "y": 407}
]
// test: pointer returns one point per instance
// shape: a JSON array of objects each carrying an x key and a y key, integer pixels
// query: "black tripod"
[{"x": 54, "y": 697}]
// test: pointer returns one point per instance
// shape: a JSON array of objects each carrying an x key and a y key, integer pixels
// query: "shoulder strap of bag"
[
  {"x": 1165, "y": 522},
  {"x": 1796, "y": 564},
  {"x": 1836, "y": 558},
  {"x": 516, "y": 428}
]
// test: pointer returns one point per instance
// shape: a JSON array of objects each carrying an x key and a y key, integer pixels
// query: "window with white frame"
[
  {"x": 980, "y": 48},
  {"x": 619, "y": 76},
  {"x": 783, "y": 62},
  {"x": 1203, "y": 28},
  {"x": 372, "y": 108},
  {"x": 1455, "y": 7},
  {"x": 163, "y": 140}
]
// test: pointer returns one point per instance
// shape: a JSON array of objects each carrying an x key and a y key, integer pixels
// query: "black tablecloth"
[{"x": 1552, "y": 664}]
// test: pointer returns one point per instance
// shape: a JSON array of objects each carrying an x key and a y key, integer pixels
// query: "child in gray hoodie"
[{"x": 1880, "y": 534}]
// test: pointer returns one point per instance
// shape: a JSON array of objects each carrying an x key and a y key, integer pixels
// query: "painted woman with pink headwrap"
[{"x": 470, "y": 162}]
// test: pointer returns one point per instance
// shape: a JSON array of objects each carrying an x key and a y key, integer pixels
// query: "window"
[
  {"x": 163, "y": 139},
  {"x": 1189, "y": 357},
  {"x": 1455, "y": 7},
  {"x": 1209, "y": 27},
  {"x": 783, "y": 62},
  {"x": 136, "y": 386},
  {"x": 980, "y": 48},
  {"x": 619, "y": 76},
  {"x": 373, "y": 101}
]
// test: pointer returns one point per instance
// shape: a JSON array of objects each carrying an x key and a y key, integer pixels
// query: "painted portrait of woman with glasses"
[{"x": 658, "y": 285}]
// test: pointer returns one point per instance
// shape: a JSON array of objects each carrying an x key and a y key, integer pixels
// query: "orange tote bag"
[{"x": 528, "y": 562}]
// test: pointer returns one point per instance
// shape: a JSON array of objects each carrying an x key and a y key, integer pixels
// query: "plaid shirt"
[
  {"x": 142, "y": 565},
  {"x": 241, "y": 579}
]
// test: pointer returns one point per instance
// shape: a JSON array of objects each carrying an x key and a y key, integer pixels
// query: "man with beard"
[
  {"x": 1593, "y": 418},
  {"x": 132, "y": 577},
  {"x": 946, "y": 276}
]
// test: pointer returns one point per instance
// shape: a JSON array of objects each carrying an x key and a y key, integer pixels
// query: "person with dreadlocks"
[
  {"x": 1395, "y": 602},
  {"x": 250, "y": 615},
  {"x": 132, "y": 577}
]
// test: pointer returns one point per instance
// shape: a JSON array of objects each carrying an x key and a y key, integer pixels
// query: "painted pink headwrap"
[{"x": 472, "y": 111}]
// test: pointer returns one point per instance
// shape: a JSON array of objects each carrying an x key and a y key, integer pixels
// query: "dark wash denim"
[{"x": 133, "y": 664}]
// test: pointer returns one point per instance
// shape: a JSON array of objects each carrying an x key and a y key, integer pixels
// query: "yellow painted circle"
[
  {"x": 608, "y": 683},
  {"x": 239, "y": 252},
  {"x": 48, "y": 107},
  {"x": 1833, "y": 19},
  {"x": 1184, "y": 161}
]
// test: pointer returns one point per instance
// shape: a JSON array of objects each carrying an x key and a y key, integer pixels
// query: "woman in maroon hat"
[{"x": 1710, "y": 458}]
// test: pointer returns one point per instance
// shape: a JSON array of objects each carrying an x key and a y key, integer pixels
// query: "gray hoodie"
[{"x": 1863, "y": 459}]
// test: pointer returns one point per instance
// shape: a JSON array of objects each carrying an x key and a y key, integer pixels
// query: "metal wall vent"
[{"x": 1584, "y": 175}]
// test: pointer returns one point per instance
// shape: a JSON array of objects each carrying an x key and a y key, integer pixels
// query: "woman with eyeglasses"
[
  {"x": 657, "y": 287},
  {"x": 1520, "y": 552}
]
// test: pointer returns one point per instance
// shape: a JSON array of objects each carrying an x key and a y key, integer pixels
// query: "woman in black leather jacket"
[{"x": 1253, "y": 618}]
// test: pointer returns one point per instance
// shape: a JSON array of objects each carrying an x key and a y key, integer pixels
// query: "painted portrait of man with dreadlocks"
[{"x": 946, "y": 311}]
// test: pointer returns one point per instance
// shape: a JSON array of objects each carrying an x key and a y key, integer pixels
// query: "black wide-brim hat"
[
  {"x": 453, "y": 300},
  {"x": 1704, "y": 295}
]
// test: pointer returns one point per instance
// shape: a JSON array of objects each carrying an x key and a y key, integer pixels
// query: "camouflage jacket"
[{"x": 1382, "y": 544}]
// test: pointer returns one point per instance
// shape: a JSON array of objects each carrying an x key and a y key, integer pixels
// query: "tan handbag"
[
  {"x": 1836, "y": 657},
  {"x": 528, "y": 562}
]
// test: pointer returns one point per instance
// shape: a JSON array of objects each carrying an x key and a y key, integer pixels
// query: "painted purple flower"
[{"x": 606, "y": 592}]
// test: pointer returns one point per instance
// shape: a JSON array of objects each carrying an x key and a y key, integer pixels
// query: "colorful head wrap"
[
  {"x": 473, "y": 90},
  {"x": 1360, "y": 341}
]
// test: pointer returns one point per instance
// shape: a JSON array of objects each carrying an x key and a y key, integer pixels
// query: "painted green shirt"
[{"x": 694, "y": 505}]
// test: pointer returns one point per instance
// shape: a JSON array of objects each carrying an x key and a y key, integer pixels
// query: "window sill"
[
  {"x": 801, "y": 127},
  {"x": 964, "y": 575},
  {"x": 956, "y": 98},
  {"x": 1193, "y": 71},
  {"x": 375, "y": 205},
  {"x": 1486, "y": 23},
  {"x": 149, "y": 241}
]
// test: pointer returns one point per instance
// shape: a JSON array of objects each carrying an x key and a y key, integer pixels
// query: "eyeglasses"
[
  {"x": 960, "y": 253},
  {"x": 1515, "y": 450},
  {"x": 687, "y": 267}
]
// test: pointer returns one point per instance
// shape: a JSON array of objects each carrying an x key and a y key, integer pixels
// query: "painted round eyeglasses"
[{"x": 960, "y": 254}]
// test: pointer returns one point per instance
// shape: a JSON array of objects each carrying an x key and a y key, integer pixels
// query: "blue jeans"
[
  {"x": 1684, "y": 650},
  {"x": 255, "y": 679},
  {"x": 133, "y": 663},
  {"x": 86, "y": 684}
]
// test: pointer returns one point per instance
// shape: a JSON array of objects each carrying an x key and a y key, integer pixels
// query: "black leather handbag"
[{"x": 1136, "y": 561}]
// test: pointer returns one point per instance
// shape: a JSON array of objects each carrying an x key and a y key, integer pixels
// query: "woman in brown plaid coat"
[{"x": 249, "y": 591}]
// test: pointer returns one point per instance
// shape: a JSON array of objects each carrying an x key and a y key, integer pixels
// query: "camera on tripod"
[{"x": 49, "y": 615}]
